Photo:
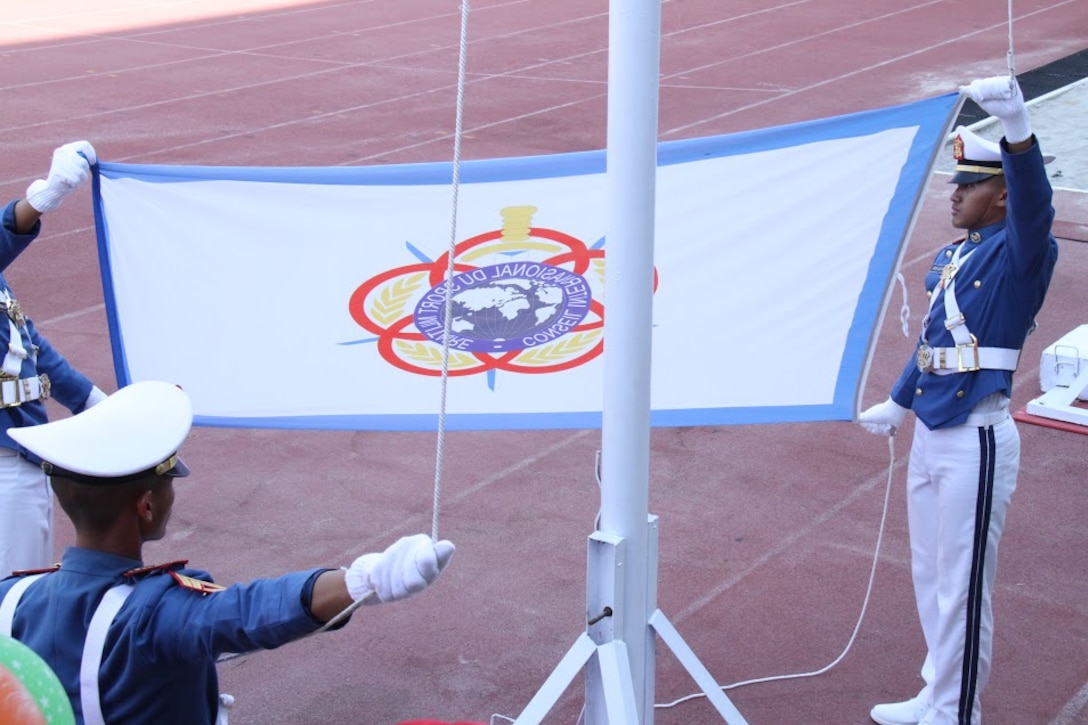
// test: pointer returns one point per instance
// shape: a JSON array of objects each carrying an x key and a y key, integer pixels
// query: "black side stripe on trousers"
[{"x": 983, "y": 508}]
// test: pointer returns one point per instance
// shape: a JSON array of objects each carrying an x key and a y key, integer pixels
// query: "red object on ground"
[{"x": 1025, "y": 417}]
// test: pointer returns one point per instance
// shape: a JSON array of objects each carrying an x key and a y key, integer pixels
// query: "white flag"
[{"x": 316, "y": 297}]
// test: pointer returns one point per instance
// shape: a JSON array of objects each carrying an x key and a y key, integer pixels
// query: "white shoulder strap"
[
  {"x": 16, "y": 353},
  {"x": 11, "y": 601},
  {"x": 93, "y": 646}
]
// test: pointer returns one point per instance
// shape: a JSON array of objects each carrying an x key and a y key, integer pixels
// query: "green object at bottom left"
[{"x": 30, "y": 692}]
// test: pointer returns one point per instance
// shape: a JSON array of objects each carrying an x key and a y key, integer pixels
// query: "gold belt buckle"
[
  {"x": 21, "y": 390},
  {"x": 973, "y": 345},
  {"x": 925, "y": 359}
]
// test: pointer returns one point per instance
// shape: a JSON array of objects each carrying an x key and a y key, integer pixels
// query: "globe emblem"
[
  {"x": 505, "y": 307},
  {"x": 538, "y": 311}
]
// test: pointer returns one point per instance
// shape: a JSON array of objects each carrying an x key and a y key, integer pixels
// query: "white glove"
[
  {"x": 406, "y": 567},
  {"x": 1000, "y": 96},
  {"x": 70, "y": 170},
  {"x": 883, "y": 419},
  {"x": 94, "y": 397}
]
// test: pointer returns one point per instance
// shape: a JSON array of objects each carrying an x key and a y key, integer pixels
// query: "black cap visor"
[{"x": 173, "y": 467}]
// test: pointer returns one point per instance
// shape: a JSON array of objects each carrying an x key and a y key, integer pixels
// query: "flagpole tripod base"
[
  {"x": 612, "y": 696},
  {"x": 1059, "y": 403}
]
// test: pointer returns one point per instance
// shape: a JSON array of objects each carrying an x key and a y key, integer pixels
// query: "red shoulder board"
[
  {"x": 196, "y": 585},
  {"x": 145, "y": 570},
  {"x": 28, "y": 572}
]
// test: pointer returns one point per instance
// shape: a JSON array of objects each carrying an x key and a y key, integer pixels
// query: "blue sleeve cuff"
[
  {"x": 306, "y": 597},
  {"x": 9, "y": 223}
]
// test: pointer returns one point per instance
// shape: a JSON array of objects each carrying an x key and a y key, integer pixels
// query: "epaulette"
[
  {"x": 196, "y": 585},
  {"x": 29, "y": 572},
  {"x": 143, "y": 571}
]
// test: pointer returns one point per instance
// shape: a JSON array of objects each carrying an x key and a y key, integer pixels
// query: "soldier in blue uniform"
[
  {"x": 138, "y": 644},
  {"x": 31, "y": 371},
  {"x": 985, "y": 291}
]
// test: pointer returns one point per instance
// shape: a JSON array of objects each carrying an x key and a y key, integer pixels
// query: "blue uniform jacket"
[
  {"x": 69, "y": 387},
  {"x": 999, "y": 289},
  {"x": 159, "y": 660}
]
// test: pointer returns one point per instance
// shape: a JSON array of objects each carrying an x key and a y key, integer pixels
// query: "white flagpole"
[
  {"x": 617, "y": 648},
  {"x": 633, "y": 72}
]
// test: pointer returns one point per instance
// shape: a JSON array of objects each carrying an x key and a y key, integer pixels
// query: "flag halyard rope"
[
  {"x": 440, "y": 445},
  {"x": 1011, "y": 58},
  {"x": 455, "y": 185}
]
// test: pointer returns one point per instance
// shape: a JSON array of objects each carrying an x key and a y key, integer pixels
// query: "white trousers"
[
  {"x": 26, "y": 515},
  {"x": 960, "y": 482}
]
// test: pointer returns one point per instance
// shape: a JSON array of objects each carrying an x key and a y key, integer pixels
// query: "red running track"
[{"x": 767, "y": 532}]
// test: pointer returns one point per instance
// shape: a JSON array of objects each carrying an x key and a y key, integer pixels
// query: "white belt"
[
  {"x": 23, "y": 390},
  {"x": 966, "y": 356},
  {"x": 16, "y": 353},
  {"x": 90, "y": 696},
  {"x": 987, "y": 419},
  {"x": 90, "y": 692},
  {"x": 965, "y": 359},
  {"x": 93, "y": 646},
  {"x": 11, "y": 601}
]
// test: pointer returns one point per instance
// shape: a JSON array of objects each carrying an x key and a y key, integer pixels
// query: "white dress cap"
[
  {"x": 133, "y": 430},
  {"x": 977, "y": 159}
]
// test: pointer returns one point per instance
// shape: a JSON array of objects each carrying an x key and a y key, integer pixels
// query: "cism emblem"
[
  {"x": 501, "y": 307},
  {"x": 957, "y": 148},
  {"x": 522, "y": 299}
]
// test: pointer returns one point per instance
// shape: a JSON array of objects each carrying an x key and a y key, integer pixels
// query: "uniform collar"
[
  {"x": 100, "y": 563},
  {"x": 981, "y": 235}
]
